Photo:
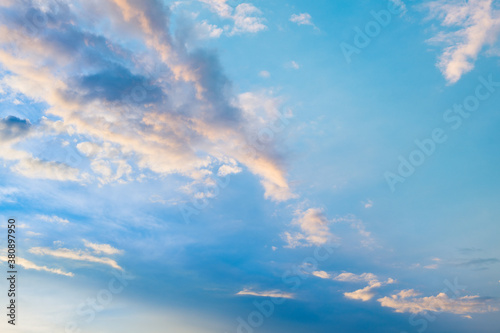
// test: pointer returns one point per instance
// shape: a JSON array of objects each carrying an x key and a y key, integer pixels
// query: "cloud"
[
  {"x": 12, "y": 131},
  {"x": 220, "y": 7},
  {"x": 264, "y": 74},
  {"x": 206, "y": 30},
  {"x": 246, "y": 17},
  {"x": 39, "y": 169},
  {"x": 314, "y": 226},
  {"x": 351, "y": 277},
  {"x": 74, "y": 255},
  {"x": 12, "y": 128},
  {"x": 315, "y": 229},
  {"x": 7, "y": 194},
  {"x": 228, "y": 169},
  {"x": 408, "y": 301},
  {"x": 293, "y": 65},
  {"x": 358, "y": 225},
  {"x": 321, "y": 274},
  {"x": 469, "y": 250},
  {"x": 30, "y": 265},
  {"x": 302, "y": 19},
  {"x": 401, "y": 5},
  {"x": 102, "y": 248},
  {"x": 107, "y": 162},
  {"x": 468, "y": 27},
  {"x": 368, "y": 204},
  {"x": 270, "y": 293},
  {"x": 52, "y": 219},
  {"x": 163, "y": 111},
  {"x": 366, "y": 293},
  {"x": 480, "y": 262}
]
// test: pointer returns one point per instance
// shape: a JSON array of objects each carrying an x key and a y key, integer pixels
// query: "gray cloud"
[
  {"x": 480, "y": 262},
  {"x": 12, "y": 128}
]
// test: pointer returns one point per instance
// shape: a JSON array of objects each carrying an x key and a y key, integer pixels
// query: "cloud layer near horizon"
[{"x": 409, "y": 301}]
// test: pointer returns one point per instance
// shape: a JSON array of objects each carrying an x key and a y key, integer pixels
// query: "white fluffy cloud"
[
  {"x": 205, "y": 30},
  {"x": 107, "y": 162},
  {"x": 227, "y": 169},
  {"x": 246, "y": 17},
  {"x": 302, "y": 19},
  {"x": 221, "y": 7},
  {"x": 468, "y": 27},
  {"x": 314, "y": 229}
]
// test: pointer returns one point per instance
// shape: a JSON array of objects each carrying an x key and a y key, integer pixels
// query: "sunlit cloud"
[
  {"x": 321, "y": 274},
  {"x": 366, "y": 293},
  {"x": 30, "y": 265},
  {"x": 468, "y": 27},
  {"x": 102, "y": 248},
  {"x": 78, "y": 255},
  {"x": 409, "y": 301},
  {"x": 314, "y": 227},
  {"x": 183, "y": 117}
]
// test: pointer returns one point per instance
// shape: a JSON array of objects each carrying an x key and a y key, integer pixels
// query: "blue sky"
[{"x": 264, "y": 166}]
